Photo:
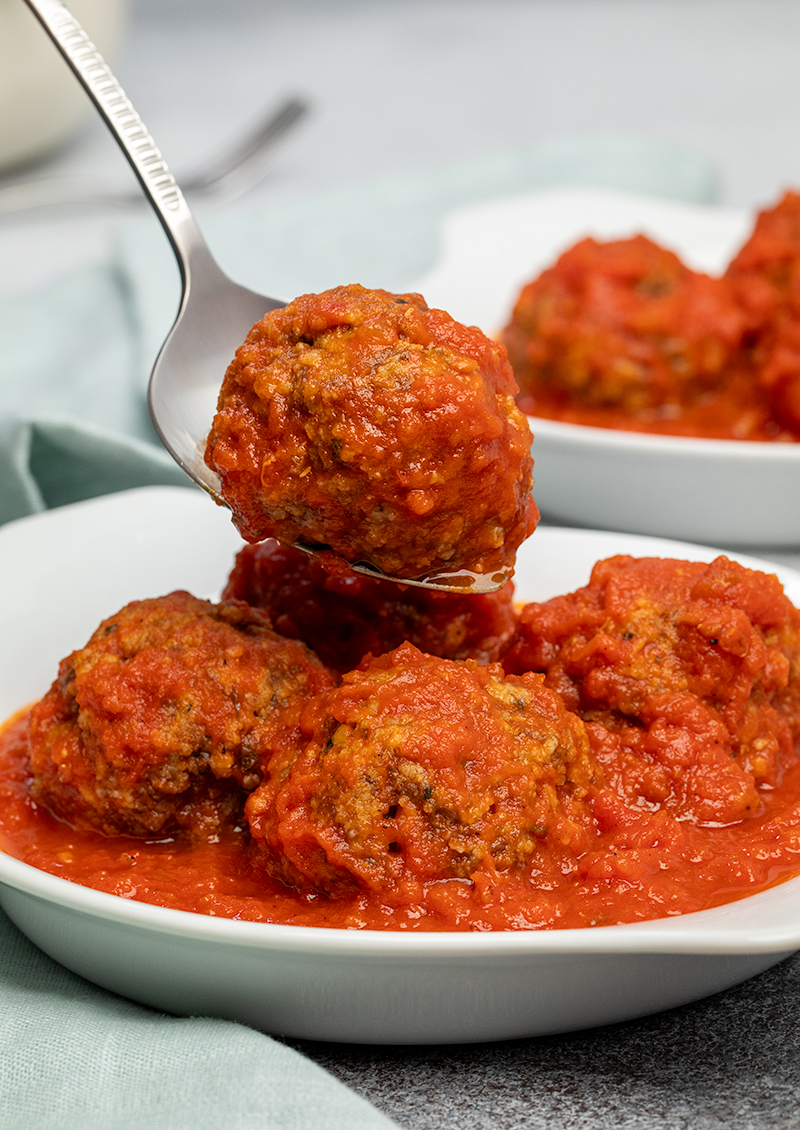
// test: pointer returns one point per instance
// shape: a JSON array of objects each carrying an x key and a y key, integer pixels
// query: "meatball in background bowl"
[{"x": 726, "y": 492}]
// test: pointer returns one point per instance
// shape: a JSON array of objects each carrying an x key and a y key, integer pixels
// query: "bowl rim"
[
  {"x": 643, "y": 443},
  {"x": 699, "y": 932}
]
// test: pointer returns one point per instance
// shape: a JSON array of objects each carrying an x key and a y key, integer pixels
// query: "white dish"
[
  {"x": 721, "y": 491},
  {"x": 65, "y": 570}
]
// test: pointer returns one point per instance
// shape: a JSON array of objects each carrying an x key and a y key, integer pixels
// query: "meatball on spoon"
[{"x": 215, "y": 313}]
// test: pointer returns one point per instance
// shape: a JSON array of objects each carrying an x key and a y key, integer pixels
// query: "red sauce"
[
  {"x": 623, "y": 335},
  {"x": 649, "y": 867},
  {"x": 739, "y": 414},
  {"x": 765, "y": 276}
]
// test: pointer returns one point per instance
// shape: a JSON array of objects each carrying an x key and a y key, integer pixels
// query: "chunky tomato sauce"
[
  {"x": 649, "y": 867},
  {"x": 623, "y": 335},
  {"x": 624, "y": 752}
]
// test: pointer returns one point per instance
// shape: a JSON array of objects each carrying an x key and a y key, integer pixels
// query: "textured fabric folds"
[{"x": 74, "y": 1057}]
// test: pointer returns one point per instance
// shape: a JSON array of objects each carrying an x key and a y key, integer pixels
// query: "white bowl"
[
  {"x": 722, "y": 491},
  {"x": 64, "y": 571},
  {"x": 41, "y": 104}
]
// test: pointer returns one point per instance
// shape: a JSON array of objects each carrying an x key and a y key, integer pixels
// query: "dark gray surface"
[{"x": 731, "y": 1061}]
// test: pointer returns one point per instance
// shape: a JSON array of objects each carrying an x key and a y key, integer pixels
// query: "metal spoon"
[{"x": 215, "y": 313}]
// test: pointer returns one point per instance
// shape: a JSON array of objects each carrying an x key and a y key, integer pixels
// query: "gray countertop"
[{"x": 731, "y": 1062}]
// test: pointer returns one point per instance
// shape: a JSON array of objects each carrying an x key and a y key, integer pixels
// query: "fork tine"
[{"x": 221, "y": 171}]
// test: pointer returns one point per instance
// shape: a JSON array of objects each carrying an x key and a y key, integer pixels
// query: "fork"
[{"x": 215, "y": 313}]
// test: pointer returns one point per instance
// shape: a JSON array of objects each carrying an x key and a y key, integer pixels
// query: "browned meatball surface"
[
  {"x": 363, "y": 421},
  {"x": 687, "y": 676},
  {"x": 168, "y": 716},
  {"x": 421, "y": 769},
  {"x": 623, "y": 334}
]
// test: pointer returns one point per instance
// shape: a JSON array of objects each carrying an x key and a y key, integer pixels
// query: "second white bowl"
[{"x": 718, "y": 491}]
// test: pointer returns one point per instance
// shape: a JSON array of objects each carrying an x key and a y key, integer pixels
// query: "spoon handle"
[{"x": 129, "y": 130}]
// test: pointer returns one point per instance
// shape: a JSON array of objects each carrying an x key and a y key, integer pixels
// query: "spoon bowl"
[
  {"x": 215, "y": 313},
  {"x": 214, "y": 317}
]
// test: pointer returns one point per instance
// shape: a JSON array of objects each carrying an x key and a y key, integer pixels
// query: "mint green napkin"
[
  {"x": 73, "y": 418},
  {"x": 74, "y": 1057},
  {"x": 75, "y": 357}
]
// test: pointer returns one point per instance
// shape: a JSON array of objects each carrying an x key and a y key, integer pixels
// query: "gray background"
[{"x": 399, "y": 85}]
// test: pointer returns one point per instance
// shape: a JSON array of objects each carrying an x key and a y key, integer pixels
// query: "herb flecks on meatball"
[
  {"x": 687, "y": 676},
  {"x": 168, "y": 717},
  {"x": 364, "y": 421},
  {"x": 421, "y": 769}
]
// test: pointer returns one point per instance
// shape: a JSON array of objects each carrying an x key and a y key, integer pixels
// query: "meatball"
[
  {"x": 687, "y": 676},
  {"x": 168, "y": 716},
  {"x": 779, "y": 372},
  {"x": 768, "y": 264},
  {"x": 342, "y": 618},
  {"x": 766, "y": 277},
  {"x": 622, "y": 327},
  {"x": 421, "y": 769},
  {"x": 363, "y": 421}
]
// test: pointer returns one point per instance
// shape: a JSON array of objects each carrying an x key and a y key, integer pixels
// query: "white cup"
[{"x": 41, "y": 103}]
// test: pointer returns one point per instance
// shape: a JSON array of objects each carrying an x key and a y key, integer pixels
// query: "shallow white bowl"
[
  {"x": 721, "y": 491},
  {"x": 62, "y": 572}
]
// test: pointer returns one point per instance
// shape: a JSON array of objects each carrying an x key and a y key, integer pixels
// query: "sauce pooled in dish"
[{"x": 633, "y": 754}]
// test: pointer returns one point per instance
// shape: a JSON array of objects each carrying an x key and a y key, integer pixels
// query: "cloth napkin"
[
  {"x": 74, "y": 1057},
  {"x": 74, "y": 363}
]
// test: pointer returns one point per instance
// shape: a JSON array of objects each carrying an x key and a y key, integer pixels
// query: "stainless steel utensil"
[
  {"x": 226, "y": 175},
  {"x": 215, "y": 313}
]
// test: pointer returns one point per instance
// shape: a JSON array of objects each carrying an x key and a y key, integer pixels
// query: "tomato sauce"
[
  {"x": 649, "y": 866},
  {"x": 623, "y": 335},
  {"x": 739, "y": 413}
]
